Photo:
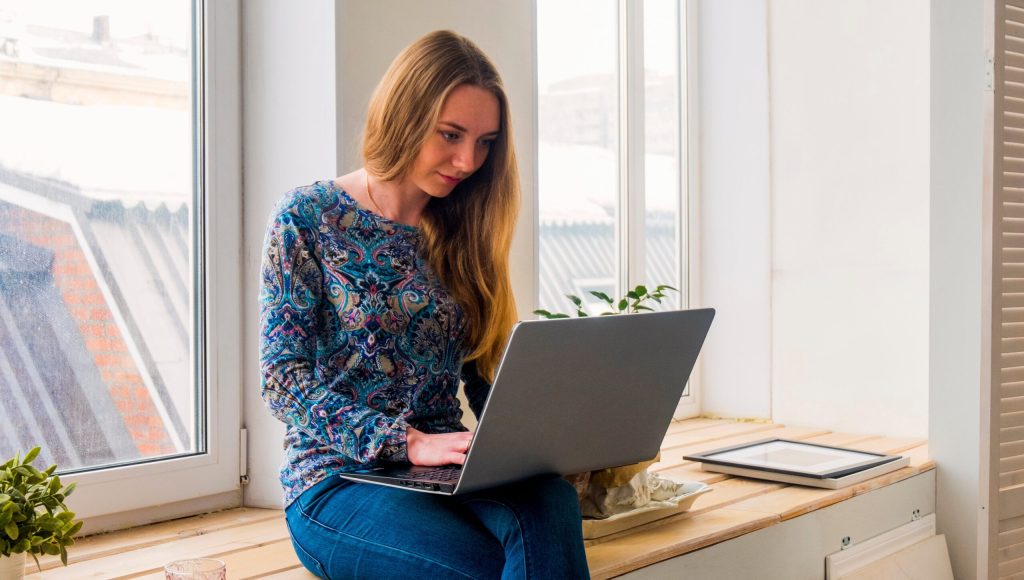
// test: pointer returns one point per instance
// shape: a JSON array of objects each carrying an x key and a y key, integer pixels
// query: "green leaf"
[
  {"x": 623, "y": 304},
  {"x": 667, "y": 287},
  {"x": 575, "y": 299},
  {"x": 641, "y": 290},
  {"x": 645, "y": 308},
  {"x": 581, "y": 313},
  {"x": 632, "y": 295},
  {"x": 11, "y": 529},
  {"x": 63, "y": 556},
  {"x": 32, "y": 454},
  {"x": 601, "y": 296},
  {"x": 538, "y": 312}
]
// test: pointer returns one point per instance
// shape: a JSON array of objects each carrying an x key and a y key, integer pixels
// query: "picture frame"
[{"x": 798, "y": 462}]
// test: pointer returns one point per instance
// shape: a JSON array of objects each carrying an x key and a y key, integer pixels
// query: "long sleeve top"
[{"x": 359, "y": 340}]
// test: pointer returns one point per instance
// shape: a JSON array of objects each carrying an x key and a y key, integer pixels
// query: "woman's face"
[{"x": 468, "y": 125}]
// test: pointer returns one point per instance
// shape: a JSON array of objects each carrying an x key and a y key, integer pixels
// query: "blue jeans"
[{"x": 344, "y": 529}]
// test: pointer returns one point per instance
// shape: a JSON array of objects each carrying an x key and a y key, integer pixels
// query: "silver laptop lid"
[{"x": 579, "y": 394}]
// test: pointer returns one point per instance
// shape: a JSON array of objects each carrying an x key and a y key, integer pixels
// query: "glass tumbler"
[{"x": 196, "y": 569}]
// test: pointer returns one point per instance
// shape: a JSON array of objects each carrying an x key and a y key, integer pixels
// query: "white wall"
[
  {"x": 849, "y": 189},
  {"x": 957, "y": 137},
  {"x": 735, "y": 207},
  {"x": 814, "y": 220},
  {"x": 308, "y": 76},
  {"x": 289, "y": 139}
]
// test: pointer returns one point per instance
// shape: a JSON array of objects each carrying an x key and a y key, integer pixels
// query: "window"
[
  {"x": 105, "y": 257},
  {"x": 612, "y": 150}
]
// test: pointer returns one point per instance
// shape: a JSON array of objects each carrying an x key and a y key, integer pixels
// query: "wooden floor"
[{"x": 254, "y": 542}]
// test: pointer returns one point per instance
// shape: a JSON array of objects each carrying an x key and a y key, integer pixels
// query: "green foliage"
[
  {"x": 632, "y": 302},
  {"x": 33, "y": 517}
]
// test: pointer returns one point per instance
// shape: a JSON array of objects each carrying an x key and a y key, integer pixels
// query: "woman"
[{"x": 381, "y": 289}]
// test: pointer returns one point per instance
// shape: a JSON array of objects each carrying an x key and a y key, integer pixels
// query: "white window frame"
[
  {"x": 690, "y": 406},
  {"x": 128, "y": 495},
  {"x": 630, "y": 229}
]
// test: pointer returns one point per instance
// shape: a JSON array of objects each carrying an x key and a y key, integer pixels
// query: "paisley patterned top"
[{"x": 358, "y": 338}]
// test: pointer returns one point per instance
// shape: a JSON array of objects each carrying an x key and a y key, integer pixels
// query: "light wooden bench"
[{"x": 254, "y": 542}]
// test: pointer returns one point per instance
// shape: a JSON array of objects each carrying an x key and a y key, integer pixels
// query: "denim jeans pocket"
[
  {"x": 296, "y": 512},
  {"x": 311, "y": 563}
]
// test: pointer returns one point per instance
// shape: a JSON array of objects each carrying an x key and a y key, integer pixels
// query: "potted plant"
[{"x": 33, "y": 517}]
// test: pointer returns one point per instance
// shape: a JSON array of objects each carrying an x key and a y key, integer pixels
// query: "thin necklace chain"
[{"x": 369, "y": 194}]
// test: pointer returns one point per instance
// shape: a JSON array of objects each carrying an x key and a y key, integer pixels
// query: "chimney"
[{"x": 101, "y": 29}]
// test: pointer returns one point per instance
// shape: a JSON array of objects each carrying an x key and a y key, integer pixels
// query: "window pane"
[
  {"x": 661, "y": 147},
  {"x": 96, "y": 230},
  {"x": 578, "y": 149}
]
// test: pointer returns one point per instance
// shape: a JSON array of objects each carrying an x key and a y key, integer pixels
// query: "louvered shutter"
[{"x": 1007, "y": 435}]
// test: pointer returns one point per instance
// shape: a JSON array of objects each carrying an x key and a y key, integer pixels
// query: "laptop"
[{"x": 570, "y": 395}]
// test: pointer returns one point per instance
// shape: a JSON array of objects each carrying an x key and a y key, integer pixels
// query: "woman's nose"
[{"x": 464, "y": 158}]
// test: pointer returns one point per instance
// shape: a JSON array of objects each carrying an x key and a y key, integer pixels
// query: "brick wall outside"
[{"x": 77, "y": 285}]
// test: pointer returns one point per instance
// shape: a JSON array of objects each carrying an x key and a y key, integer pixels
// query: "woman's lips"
[{"x": 450, "y": 180}]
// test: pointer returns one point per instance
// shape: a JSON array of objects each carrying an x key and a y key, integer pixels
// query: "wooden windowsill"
[{"x": 254, "y": 542}]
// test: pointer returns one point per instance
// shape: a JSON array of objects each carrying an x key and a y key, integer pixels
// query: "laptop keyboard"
[{"x": 445, "y": 473}]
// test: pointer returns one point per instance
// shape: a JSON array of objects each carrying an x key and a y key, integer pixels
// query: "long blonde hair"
[{"x": 468, "y": 234}]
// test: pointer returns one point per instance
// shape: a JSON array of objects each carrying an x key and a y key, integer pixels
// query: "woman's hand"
[{"x": 438, "y": 449}]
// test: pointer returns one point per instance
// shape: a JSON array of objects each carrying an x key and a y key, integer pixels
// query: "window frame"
[
  {"x": 689, "y": 187},
  {"x": 115, "y": 497},
  {"x": 630, "y": 226}
]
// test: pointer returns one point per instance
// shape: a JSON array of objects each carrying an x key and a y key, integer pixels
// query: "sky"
[{"x": 579, "y": 37}]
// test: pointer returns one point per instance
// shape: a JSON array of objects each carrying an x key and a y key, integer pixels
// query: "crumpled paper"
[{"x": 641, "y": 490}]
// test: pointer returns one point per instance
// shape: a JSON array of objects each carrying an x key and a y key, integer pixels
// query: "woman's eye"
[
  {"x": 449, "y": 136},
  {"x": 487, "y": 143}
]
